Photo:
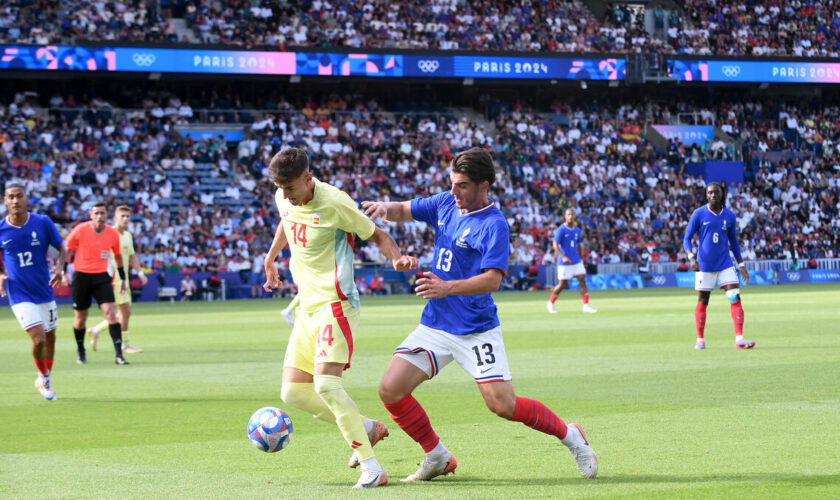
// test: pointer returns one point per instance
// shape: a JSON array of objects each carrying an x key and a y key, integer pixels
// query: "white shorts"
[
  {"x": 704, "y": 282},
  {"x": 482, "y": 355},
  {"x": 565, "y": 273},
  {"x": 29, "y": 314}
]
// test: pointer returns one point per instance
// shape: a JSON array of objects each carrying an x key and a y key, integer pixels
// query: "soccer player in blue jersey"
[
  {"x": 715, "y": 226},
  {"x": 459, "y": 322},
  {"x": 25, "y": 239},
  {"x": 568, "y": 249}
]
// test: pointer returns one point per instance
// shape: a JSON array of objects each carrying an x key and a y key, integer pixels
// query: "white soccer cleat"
[
  {"x": 287, "y": 314},
  {"x": 94, "y": 337},
  {"x": 550, "y": 306},
  {"x": 429, "y": 470},
  {"x": 589, "y": 309},
  {"x": 584, "y": 455},
  {"x": 44, "y": 386},
  {"x": 700, "y": 345},
  {"x": 371, "y": 479},
  {"x": 130, "y": 349},
  {"x": 376, "y": 434}
]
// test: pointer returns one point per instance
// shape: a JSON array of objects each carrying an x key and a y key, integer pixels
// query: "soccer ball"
[{"x": 270, "y": 429}]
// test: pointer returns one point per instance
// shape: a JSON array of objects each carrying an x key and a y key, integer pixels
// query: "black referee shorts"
[{"x": 87, "y": 286}]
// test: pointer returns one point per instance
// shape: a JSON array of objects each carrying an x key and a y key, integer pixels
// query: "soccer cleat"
[
  {"x": 371, "y": 479},
  {"x": 429, "y": 470},
  {"x": 44, "y": 386},
  {"x": 379, "y": 432},
  {"x": 550, "y": 306},
  {"x": 81, "y": 358},
  {"x": 584, "y": 455},
  {"x": 119, "y": 360},
  {"x": 744, "y": 344},
  {"x": 700, "y": 345},
  {"x": 94, "y": 337},
  {"x": 589, "y": 309},
  {"x": 287, "y": 314},
  {"x": 130, "y": 349}
]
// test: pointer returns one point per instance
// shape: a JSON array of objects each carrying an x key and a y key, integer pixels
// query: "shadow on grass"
[{"x": 797, "y": 479}]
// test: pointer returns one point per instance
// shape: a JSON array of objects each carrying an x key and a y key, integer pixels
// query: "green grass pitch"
[{"x": 666, "y": 421}]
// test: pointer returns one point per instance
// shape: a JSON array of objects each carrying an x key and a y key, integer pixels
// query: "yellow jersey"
[
  {"x": 320, "y": 235},
  {"x": 126, "y": 250}
]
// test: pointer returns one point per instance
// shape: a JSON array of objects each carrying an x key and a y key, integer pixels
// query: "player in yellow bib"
[
  {"x": 318, "y": 223},
  {"x": 122, "y": 217}
]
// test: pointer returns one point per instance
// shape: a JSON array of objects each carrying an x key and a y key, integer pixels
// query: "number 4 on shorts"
[{"x": 326, "y": 335}]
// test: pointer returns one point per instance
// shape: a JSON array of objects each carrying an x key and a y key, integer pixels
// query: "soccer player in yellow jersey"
[
  {"x": 122, "y": 217},
  {"x": 318, "y": 223}
]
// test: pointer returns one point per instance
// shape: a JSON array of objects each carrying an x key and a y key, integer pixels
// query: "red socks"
[
  {"x": 538, "y": 417},
  {"x": 585, "y": 298},
  {"x": 412, "y": 418},
  {"x": 48, "y": 363},
  {"x": 737, "y": 313},
  {"x": 552, "y": 298},
  {"x": 41, "y": 364},
  {"x": 700, "y": 318}
]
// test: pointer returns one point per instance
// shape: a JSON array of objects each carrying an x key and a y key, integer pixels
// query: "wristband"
[
  {"x": 121, "y": 272},
  {"x": 141, "y": 274},
  {"x": 690, "y": 255},
  {"x": 741, "y": 265}
]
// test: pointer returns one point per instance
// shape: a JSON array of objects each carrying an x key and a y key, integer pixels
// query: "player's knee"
[
  {"x": 734, "y": 295},
  {"x": 389, "y": 394},
  {"x": 503, "y": 407},
  {"x": 291, "y": 393},
  {"x": 39, "y": 340},
  {"x": 325, "y": 385}
]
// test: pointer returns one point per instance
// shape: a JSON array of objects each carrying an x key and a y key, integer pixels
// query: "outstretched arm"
[
  {"x": 389, "y": 249},
  {"x": 397, "y": 211}
]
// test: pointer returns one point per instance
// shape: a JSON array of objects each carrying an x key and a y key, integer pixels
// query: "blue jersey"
[
  {"x": 717, "y": 236},
  {"x": 465, "y": 244},
  {"x": 568, "y": 239},
  {"x": 25, "y": 258}
]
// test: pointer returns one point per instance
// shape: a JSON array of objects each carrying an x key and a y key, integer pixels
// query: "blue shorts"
[{"x": 256, "y": 279}]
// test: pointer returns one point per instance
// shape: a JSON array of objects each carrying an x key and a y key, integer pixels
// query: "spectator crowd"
[
  {"x": 206, "y": 204},
  {"x": 704, "y": 27}
]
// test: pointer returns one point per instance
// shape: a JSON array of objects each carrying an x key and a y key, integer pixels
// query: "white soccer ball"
[{"x": 270, "y": 429}]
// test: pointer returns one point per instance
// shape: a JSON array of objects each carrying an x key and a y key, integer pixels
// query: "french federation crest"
[
  {"x": 462, "y": 241},
  {"x": 35, "y": 241}
]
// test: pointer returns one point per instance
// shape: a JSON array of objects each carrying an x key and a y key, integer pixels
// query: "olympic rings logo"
[
  {"x": 659, "y": 279},
  {"x": 141, "y": 59},
  {"x": 730, "y": 71},
  {"x": 428, "y": 65}
]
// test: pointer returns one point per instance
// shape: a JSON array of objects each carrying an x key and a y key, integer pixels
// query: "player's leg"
[
  {"x": 502, "y": 400},
  {"x": 49, "y": 314},
  {"x": 561, "y": 284},
  {"x": 703, "y": 283},
  {"x": 484, "y": 357},
  {"x": 124, "y": 313},
  {"x": 584, "y": 290},
  {"x": 289, "y": 310},
  {"x": 103, "y": 292},
  {"x": 95, "y": 331},
  {"x": 39, "y": 354},
  {"x": 417, "y": 359},
  {"x": 729, "y": 282},
  {"x": 82, "y": 297},
  {"x": 333, "y": 353}
]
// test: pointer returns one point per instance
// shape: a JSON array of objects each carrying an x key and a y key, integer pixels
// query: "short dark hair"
[
  {"x": 288, "y": 165},
  {"x": 99, "y": 204},
  {"x": 722, "y": 191},
  {"x": 475, "y": 163},
  {"x": 14, "y": 184}
]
